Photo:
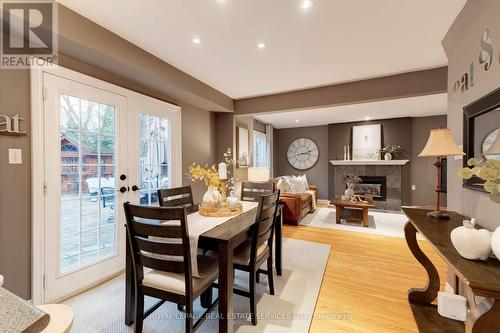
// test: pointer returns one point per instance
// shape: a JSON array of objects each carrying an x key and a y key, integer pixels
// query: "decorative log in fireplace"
[{"x": 374, "y": 186}]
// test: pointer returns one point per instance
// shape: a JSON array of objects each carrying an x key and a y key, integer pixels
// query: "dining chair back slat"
[
  {"x": 176, "y": 197},
  {"x": 159, "y": 246},
  {"x": 252, "y": 191},
  {"x": 160, "y": 264}
]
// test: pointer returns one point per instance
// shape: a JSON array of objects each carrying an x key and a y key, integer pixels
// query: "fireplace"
[{"x": 374, "y": 186}]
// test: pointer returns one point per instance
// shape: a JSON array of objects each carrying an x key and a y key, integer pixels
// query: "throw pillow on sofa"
[
  {"x": 304, "y": 178},
  {"x": 285, "y": 185},
  {"x": 299, "y": 184}
]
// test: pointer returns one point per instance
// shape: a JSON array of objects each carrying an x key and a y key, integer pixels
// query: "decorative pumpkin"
[
  {"x": 495, "y": 243},
  {"x": 471, "y": 243}
]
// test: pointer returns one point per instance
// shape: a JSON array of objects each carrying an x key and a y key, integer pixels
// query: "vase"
[
  {"x": 471, "y": 243},
  {"x": 212, "y": 197},
  {"x": 349, "y": 190},
  {"x": 495, "y": 242},
  {"x": 388, "y": 156}
]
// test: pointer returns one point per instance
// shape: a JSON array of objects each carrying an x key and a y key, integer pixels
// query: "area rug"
[
  {"x": 380, "y": 222},
  {"x": 289, "y": 310}
]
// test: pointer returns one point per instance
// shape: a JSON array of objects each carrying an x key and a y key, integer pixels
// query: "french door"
[{"x": 102, "y": 148}]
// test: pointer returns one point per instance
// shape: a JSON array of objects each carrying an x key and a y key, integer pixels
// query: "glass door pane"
[
  {"x": 154, "y": 156},
  {"x": 88, "y": 157}
]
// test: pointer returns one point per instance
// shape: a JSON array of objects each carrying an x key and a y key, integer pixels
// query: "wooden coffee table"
[{"x": 341, "y": 205}]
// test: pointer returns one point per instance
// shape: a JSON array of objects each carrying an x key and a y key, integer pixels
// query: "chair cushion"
[
  {"x": 241, "y": 255},
  {"x": 173, "y": 282}
]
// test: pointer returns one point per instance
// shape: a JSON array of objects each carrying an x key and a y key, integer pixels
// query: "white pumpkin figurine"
[
  {"x": 232, "y": 200},
  {"x": 472, "y": 243},
  {"x": 495, "y": 242}
]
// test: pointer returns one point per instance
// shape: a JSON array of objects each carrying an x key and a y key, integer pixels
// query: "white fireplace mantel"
[{"x": 369, "y": 162}]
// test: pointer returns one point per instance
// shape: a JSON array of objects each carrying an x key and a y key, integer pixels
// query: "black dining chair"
[
  {"x": 252, "y": 191},
  {"x": 164, "y": 248},
  {"x": 177, "y": 197},
  {"x": 252, "y": 254}
]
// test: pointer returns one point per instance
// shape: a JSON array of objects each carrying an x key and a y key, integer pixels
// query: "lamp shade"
[
  {"x": 495, "y": 146},
  {"x": 258, "y": 174},
  {"x": 441, "y": 143}
]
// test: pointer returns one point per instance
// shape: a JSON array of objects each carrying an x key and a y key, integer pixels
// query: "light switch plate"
[
  {"x": 413, "y": 187},
  {"x": 15, "y": 156}
]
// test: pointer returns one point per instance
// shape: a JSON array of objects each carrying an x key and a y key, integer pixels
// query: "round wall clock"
[{"x": 303, "y": 153}]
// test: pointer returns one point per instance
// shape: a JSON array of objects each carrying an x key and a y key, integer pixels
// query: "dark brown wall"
[
  {"x": 15, "y": 190},
  {"x": 318, "y": 174},
  {"x": 394, "y": 131},
  {"x": 422, "y": 169}
]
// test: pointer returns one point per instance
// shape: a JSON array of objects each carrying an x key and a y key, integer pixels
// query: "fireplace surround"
[{"x": 374, "y": 173}]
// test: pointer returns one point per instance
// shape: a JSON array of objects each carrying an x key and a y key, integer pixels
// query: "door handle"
[
  {"x": 124, "y": 189},
  {"x": 135, "y": 188}
]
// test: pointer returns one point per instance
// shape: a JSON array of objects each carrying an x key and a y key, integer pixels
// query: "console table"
[{"x": 482, "y": 277}]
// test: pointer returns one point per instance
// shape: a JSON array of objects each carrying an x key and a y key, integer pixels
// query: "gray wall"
[
  {"x": 318, "y": 174},
  {"x": 422, "y": 169},
  {"x": 394, "y": 131},
  {"x": 462, "y": 46},
  {"x": 198, "y": 128},
  {"x": 411, "y": 133}
]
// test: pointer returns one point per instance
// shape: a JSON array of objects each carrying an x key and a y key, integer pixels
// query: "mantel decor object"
[
  {"x": 439, "y": 145},
  {"x": 471, "y": 243},
  {"x": 391, "y": 151}
]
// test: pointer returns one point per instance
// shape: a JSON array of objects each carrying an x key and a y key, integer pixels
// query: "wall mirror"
[{"x": 481, "y": 132}]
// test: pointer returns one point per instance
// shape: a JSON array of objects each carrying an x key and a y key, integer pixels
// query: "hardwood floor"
[{"x": 366, "y": 281}]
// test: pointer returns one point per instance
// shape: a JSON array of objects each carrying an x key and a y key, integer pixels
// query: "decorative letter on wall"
[{"x": 11, "y": 125}]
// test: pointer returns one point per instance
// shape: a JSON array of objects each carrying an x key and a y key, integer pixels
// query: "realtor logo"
[{"x": 29, "y": 35}]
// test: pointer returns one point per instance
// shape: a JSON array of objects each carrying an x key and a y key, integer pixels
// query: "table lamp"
[
  {"x": 256, "y": 174},
  {"x": 440, "y": 144}
]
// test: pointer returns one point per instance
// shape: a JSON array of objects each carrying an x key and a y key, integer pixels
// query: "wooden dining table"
[{"x": 223, "y": 239}]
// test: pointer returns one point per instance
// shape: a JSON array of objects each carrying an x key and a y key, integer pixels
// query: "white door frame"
[{"x": 38, "y": 187}]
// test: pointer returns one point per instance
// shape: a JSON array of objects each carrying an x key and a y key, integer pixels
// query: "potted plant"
[
  {"x": 351, "y": 180},
  {"x": 216, "y": 187},
  {"x": 390, "y": 151}
]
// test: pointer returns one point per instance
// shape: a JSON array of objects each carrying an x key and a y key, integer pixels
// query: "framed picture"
[
  {"x": 481, "y": 128},
  {"x": 366, "y": 142},
  {"x": 242, "y": 145}
]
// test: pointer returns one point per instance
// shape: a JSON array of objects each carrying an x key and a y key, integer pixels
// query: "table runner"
[{"x": 198, "y": 224}]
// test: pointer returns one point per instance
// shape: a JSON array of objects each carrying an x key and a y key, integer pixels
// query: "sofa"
[{"x": 297, "y": 205}]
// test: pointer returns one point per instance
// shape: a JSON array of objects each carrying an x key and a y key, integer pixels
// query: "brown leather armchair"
[{"x": 297, "y": 205}]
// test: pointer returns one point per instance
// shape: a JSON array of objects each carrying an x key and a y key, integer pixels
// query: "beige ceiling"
[
  {"x": 421, "y": 106},
  {"x": 334, "y": 41}
]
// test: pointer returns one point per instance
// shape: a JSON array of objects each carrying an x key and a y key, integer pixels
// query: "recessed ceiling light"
[
  {"x": 196, "y": 40},
  {"x": 306, "y": 4},
  {"x": 296, "y": 120},
  {"x": 368, "y": 118},
  {"x": 261, "y": 45}
]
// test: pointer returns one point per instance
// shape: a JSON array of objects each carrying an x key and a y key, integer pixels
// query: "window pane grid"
[
  {"x": 88, "y": 132},
  {"x": 154, "y": 156}
]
